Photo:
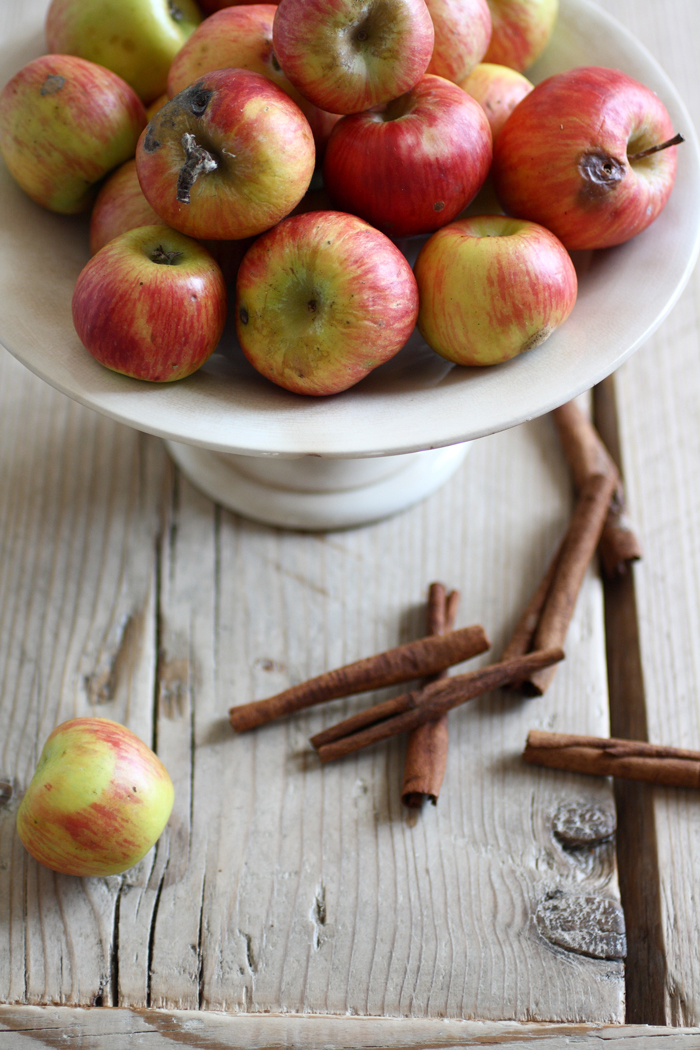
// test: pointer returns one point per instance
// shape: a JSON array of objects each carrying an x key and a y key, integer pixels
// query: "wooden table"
[{"x": 290, "y": 904}]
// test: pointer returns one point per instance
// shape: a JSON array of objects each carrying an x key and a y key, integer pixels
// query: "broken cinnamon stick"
[
  {"x": 586, "y": 455},
  {"x": 577, "y": 550},
  {"x": 600, "y": 756},
  {"x": 434, "y": 700},
  {"x": 425, "y": 656},
  {"x": 426, "y": 750}
]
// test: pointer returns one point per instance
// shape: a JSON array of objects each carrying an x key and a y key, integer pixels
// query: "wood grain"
[{"x": 657, "y": 393}]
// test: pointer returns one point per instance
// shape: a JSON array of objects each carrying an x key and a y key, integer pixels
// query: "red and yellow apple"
[
  {"x": 492, "y": 287},
  {"x": 98, "y": 800},
  {"x": 587, "y": 155},
  {"x": 497, "y": 89},
  {"x": 226, "y": 158},
  {"x": 521, "y": 29},
  {"x": 413, "y": 164},
  {"x": 137, "y": 39},
  {"x": 151, "y": 304},
  {"x": 64, "y": 124},
  {"x": 119, "y": 206},
  {"x": 348, "y": 55},
  {"x": 321, "y": 300},
  {"x": 462, "y": 35},
  {"x": 241, "y": 36}
]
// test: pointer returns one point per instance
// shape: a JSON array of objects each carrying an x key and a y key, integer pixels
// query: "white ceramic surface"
[{"x": 416, "y": 401}]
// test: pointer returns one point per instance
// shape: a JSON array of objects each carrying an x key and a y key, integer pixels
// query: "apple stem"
[
  {"x": 675, "y": 141},
  {"x": 161, "y": 255},
  {"x": 198, "y": 162}
]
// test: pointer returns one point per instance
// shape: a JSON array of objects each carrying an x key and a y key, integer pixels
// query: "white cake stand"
[{"x": 319, "y": 463}]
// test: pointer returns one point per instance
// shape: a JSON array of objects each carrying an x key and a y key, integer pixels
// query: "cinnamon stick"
[
  {"x": 426, "y": 750},
  {"x": 577, "y": 550},
  {"x": 521, "y": 639},
  {"x": 434, "y": 700},
  {"x": 600, "y": 756},
  {"x": 416, "y": 659},
  {"x": 587, "y": 455}
]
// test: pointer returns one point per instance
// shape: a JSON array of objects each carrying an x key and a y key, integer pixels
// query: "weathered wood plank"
[
  {"x": 658, "y": 393},
  {"x": 32, "y": 1028},
  {"x": 80, "y": 499}
]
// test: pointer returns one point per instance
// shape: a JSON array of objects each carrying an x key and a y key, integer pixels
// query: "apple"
[
  {"x": 348, "y": 55},
  {"x": 151, "y": 304},
  {"x": 492, "y": 287},
  {"x": 226, "y": 158},
  {"x": 497, "y": 89},
  {"x": 157, "y": 104},
  {"x": 210, "y": 7},
  {"x": 137, "y": 39},
  {"x": 462, "y": 34},
  {"x": 589, "y": 154},
  {"x": 521, "y": 30},
  {"x": 321, "y": 300},
  {"x": 242, "y": 37},
  {"x": 413, "y": 164},
  {"x": 64, "y": 124},
  {"x": 98, "y": 800},
  {"x": 119, "y": 206}
]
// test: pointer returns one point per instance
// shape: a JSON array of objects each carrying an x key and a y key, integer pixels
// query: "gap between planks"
[{"x": 637, "y": 854}]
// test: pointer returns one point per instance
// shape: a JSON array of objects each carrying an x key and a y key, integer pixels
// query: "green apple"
[
  {"x": 138, "y": 39},
  {"x": 98, "y": 800}
]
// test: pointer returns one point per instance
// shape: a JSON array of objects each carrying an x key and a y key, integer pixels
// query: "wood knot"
[
  {"x": 583, "y": 824},
  {"x": 6, "y": 790},
  {"x": 593, "y": 926}
]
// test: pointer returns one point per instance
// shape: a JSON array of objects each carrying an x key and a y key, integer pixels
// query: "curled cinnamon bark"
[
  {"x": 600, "y": 756},
  {"x": 430, "y": 703},
  {"x": 586, "y": 454},
  {"x": 426, "y": 751},
  {"x": 417, "y": 659}
]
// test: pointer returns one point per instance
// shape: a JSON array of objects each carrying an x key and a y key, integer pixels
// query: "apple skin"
[
  {"x": 258, "y": 140},
  {"x": 561, "y": 158},
  {"x": 521, "y": 30},
  {"x": 321, "y": 300},
  {"x": 492, "y": 287},
  {"x": 64, "y": 124},
  {"x": 137, "y": 39},
  {"x": 151, "y": 304},
  {"x": 98, "y": 801},
  {"x": 498, "y": 90},
  {"x": 348, "y": 55},
  {"x": 241, "y": 36},
  {"x": 462, "y": 35},
  {"x": 412, "y": 165},
  {"x": 119, "y": 206}
]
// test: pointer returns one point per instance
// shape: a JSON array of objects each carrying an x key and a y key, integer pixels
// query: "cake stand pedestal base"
[{"x": 313, "y": 493}]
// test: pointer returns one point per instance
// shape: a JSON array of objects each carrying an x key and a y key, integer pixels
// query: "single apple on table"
[
  {"x": 462, "y": 35},
  {"x": 492, "y": 287},
  {"x": 64, "y": 124},
  {"x": 137, "y": 39},
  {"x": 151, "y": 304},
  {"x": 348, "y": 55},
  {"x": 521, "y": 29},
  {"x": 321, "y": 300},
  {"x": 226, "y": 158},
  {"x": 241, "y": 36},
  {"x": 98, "y": 800},
  {"x": 589, "y": 153},
  {"x": 413, "y": 164},
  {"x": 497, "y": 89}
]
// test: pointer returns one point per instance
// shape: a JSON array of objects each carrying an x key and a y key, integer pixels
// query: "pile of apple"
[{"x": 406, "y": 106}]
